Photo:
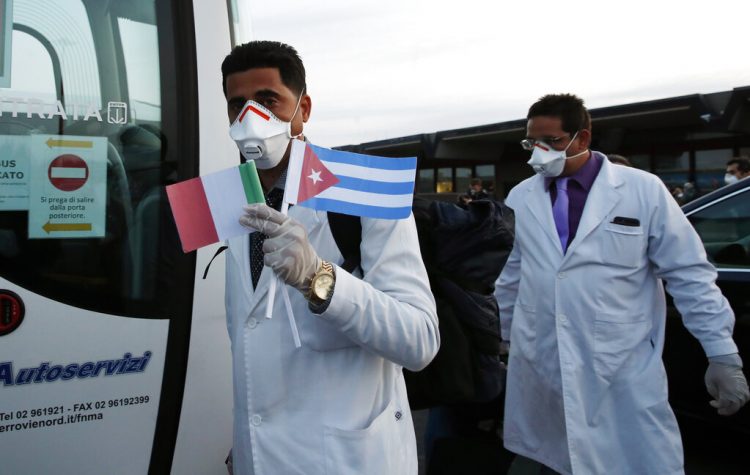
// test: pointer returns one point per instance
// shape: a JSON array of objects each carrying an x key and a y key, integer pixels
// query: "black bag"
[{"x": 464, "y": 250}]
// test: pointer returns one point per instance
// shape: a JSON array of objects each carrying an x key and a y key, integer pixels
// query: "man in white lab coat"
[
  {"x": 583, "y": 307},
  {"x": 337, "y": 404}
]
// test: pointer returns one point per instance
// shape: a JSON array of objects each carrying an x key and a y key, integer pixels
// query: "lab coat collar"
[{"x": 603, "y": 197}]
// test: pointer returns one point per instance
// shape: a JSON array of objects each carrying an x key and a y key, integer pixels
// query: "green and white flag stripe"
[{"x": 207, "y": 209}]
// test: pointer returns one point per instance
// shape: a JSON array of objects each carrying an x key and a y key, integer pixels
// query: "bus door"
[{"x": 98, "y": 112}]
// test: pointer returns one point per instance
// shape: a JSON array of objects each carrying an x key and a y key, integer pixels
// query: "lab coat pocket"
[
  {"x": 616, "y": 336},
  {"x": 622, "y": 245},
  {"x": 385, "y": 446}
]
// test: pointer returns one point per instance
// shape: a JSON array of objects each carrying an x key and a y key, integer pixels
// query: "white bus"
[{"x": 114, "y": 356}]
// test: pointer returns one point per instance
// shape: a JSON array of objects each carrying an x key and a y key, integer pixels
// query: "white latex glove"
[
  {"x": 726, "y": 384},
  {"x": 287, "y": 249}
]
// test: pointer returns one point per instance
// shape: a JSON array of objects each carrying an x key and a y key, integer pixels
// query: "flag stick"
[
  {"x": 285, "y": 293},
  {"x": 274, "y": 277},
  {"x": 290, "y": 314}
]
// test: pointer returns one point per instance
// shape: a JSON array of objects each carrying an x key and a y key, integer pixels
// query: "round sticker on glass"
[{"x": 11, "y": 311}]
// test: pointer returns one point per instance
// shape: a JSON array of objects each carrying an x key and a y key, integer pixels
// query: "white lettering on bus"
[{"x": 51, "y": 110}]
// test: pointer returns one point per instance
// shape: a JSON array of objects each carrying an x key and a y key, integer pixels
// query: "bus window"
[
  {"x": 239, "y": 21},
  {"x": 91, "y": 90}
]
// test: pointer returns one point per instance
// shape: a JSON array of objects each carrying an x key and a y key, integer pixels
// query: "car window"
[{"x": 724, "y": 228}]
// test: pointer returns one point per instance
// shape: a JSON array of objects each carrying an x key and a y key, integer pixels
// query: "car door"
[{"x": 723, "y": 224}]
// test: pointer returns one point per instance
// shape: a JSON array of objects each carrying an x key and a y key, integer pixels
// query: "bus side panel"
[{"x": 205, "y": 432}]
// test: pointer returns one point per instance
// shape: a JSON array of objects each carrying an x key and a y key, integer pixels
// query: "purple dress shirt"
[{"x": 579, "y": 185}]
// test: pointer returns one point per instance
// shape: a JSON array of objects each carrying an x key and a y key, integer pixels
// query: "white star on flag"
[{"x": 315, "y": 176}]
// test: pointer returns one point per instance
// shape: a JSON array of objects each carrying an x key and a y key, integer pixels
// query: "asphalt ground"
[{"x": 709, "y": 450}]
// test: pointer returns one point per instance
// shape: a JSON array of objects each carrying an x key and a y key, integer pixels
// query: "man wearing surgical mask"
[
  {"x": 582, "y": 306},
  {"x": 337, "y": 403},
  {"x": 737, "y": 169}
]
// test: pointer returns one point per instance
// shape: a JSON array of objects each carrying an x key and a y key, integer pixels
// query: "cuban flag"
[{"x": 350, "y": 183}]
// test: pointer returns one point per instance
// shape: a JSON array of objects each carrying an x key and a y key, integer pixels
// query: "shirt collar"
[{"x": 585, "y": 175}]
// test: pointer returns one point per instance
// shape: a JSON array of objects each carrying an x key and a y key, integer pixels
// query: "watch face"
[{"x": 322, "y": 286}]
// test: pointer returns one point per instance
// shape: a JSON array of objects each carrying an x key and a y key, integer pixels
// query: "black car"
[{"x": 722, "y": 220}]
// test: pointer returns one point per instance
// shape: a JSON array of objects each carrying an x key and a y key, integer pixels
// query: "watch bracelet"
[{"x": 324, "y": 266}]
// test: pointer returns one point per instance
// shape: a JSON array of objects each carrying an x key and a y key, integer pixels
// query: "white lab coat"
[
  {"x": 338, "y": 404},
  {"x": 587, "y": 390}
]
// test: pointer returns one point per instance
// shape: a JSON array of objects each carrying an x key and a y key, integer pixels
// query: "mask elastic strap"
[
  {"x": 576, "y": 155},
  {"x": 299, "y": 101},
  {"x": 569, "y": 144}
]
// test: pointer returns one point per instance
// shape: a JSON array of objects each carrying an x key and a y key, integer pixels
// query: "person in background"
[
  {"x": 475, "y": 192},
  {"x": 584, "y": 310},
  {"x": 337, "y": 404},
  {"x": 679, "y": 195},
  {"x": 689, "y": 192},
  {"x": 619, "y": 160},
  {"x": 737, "y": 169}
]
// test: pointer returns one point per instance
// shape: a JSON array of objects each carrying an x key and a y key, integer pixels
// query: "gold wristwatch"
[{"x": 321, "y": 284}]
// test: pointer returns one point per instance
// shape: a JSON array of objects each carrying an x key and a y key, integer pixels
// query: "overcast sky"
[{"x": 389, "y": 68}]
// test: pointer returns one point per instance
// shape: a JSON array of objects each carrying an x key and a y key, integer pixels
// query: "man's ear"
[
  {"x": 305, "y": 107},
  {"x": 585, "y": 137}
]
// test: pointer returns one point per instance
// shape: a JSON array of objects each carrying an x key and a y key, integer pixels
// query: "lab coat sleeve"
[
  {"x": 390, "y": 312},
  {"x": 676, "y": 251},
  {"x": 506, "y": 290}
]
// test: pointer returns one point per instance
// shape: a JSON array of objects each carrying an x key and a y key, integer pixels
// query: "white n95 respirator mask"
[
  {"x": 261, "y": 136},
  {"x": 547, "y": 161}
]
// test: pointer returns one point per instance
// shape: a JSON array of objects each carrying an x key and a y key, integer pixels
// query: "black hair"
[
  {"x": 266, "y": 54},
  {"x": 743, "y": 163},
  {"x": 619, "y": 159},
  {"x": 568, "y": 107}
]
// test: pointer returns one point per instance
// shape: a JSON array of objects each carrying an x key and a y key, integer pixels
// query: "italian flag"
[{"x": 207, "y": 209}]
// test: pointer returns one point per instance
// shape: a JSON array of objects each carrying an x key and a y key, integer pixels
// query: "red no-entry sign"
[{"x": 68, "y": 172}]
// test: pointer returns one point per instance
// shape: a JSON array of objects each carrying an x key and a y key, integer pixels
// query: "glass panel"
[
  {"x": 724, "y": 229},
  {"x": 712, "y": 159},
  {"x": 487, "y": 174},
  {"x": 673, "y": 170},
  {"x": 72, "y": 47},
  {"x": 240, "y": 28},
  {"x": 463, "y": 179},
  {"x": 426, "y": 182},
  {"x": 710, "y": 166},
  {"x": 34, "y": 71},
  {"x": 81, "y": 222},
  {"x": 641, "y": 161},
  {"x": 445, "y": 180},
  {"x": 142, "y": 68}
]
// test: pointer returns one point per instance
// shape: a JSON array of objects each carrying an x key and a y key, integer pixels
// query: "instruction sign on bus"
[
  {"x": 69, "y": 200},
  {"x": 14, "y": 172}
]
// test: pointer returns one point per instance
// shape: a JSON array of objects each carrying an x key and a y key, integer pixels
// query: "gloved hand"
[
  {"x": 726, "y": 383},
  {"x": 286, "y": 250}
]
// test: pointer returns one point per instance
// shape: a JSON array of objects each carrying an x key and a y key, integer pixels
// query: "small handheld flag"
[
  {"x": 350, "y": 183},
  {"x": 207, "y": 209}
]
